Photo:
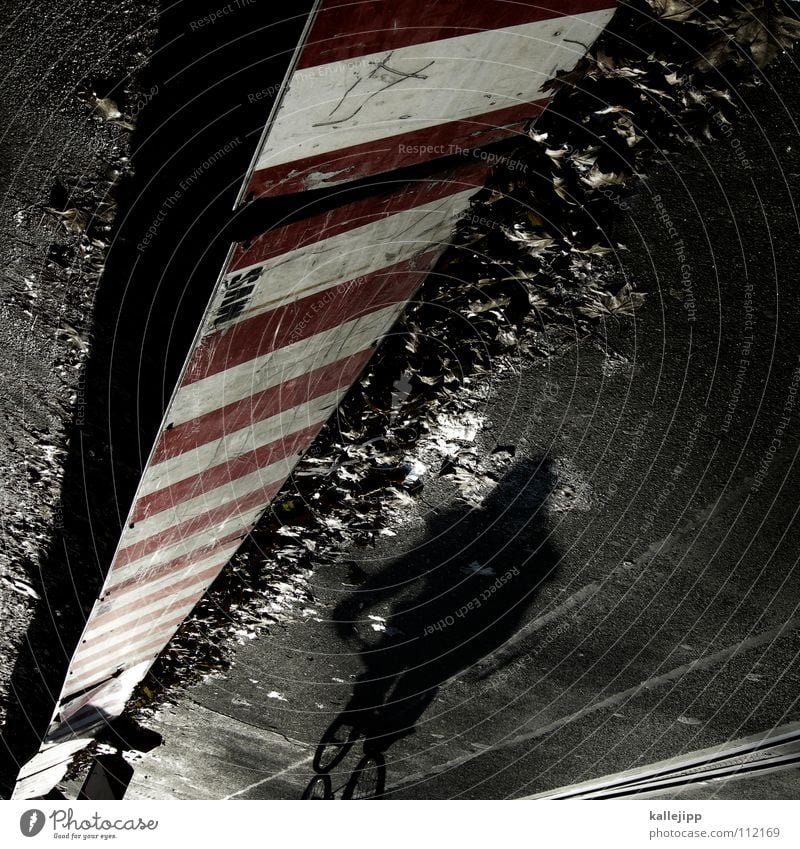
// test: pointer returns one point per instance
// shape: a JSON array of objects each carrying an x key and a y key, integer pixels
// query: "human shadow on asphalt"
[{"x": 454, "y": 600}]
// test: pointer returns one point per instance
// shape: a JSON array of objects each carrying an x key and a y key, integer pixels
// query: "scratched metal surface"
[{"x": 380, "y": 90}]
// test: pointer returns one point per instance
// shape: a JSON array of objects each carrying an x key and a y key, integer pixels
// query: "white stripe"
[
  {"x": 96, "y": 673},
  {"x": 51, "y": 756},
  {"x": 120, "y": 623},
  {"x": 236, "y": 523},
  {"x": 114, "y": 644},
  {"x": 144, "y": 586},
  {"x": 43, "y": 782},
  {"x": 248, "y": 378},
  {"x": 346, "y": 257},
  {"x": 234, "y": 444},
  {"x": 191, "y": 508},
  {"x": 423, "y": 85},
  {"x": 141, "y": 573}
]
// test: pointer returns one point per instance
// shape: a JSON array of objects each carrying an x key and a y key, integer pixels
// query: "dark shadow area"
[
  {"x": 454, "y": 600},
  {"x": 318, "y": 788},
  {"x": 108, "y": 778},
  {"x": 212, "y": 82},
  {"x": 368, "y": 779}
]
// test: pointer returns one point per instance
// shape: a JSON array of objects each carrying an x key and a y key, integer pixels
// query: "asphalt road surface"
[
  {"x": 625, "y": 593},
  {"x": 55, "y": 154}
]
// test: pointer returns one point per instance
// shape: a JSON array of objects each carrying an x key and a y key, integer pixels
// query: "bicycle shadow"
[{"x": 454, "y": 600}]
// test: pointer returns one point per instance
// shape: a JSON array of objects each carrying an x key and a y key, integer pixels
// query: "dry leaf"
[
  {"x": 594, "y": 250},
  {"x": 74, "y": 220},
  {"x": 560, "y": 189},
  {"x": 104, "y": 107},
  {"x": 610, "y": 109},
  {"x": 606, "y": 305},
  {"x": 107, "y": 110},
  {"x": 21, "y": 587},
  {"x": 675, "y": 10},
  {"x": 598, "y": 179},
  {"x": 758, "y": 40},
  {"x": 496, "y": 303},
  {"x": 73, "y": 338}
]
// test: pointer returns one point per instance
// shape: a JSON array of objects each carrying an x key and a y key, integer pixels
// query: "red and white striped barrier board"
[
  {"x": 296, "y": 315},
  {"x": 386, "y": 84},
  {"x": 291, "y": 325}
]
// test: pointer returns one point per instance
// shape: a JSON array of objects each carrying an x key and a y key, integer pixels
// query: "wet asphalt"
[
  {"x": 646, "y": 528},
  {"x": 53, "y": 56}
]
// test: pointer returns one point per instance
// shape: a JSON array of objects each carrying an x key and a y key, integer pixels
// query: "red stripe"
[
  {"x": 116, "y": 636},
  {"x": 204, "y": 521},
  {"x": 164, "y": 569},
  {"x": 117, "y": 651},
  {"x": 254, "y": 337},
  {"x": 223, "y": 473},
  {"x": 121, "y": 635},
  {"x": 398, "y": 151},
  {"x": 76, "y": 684},
  {"x": 347, "y": 29},
  {"x": 151, "y": 649},
  {"x": 397, "y": 197},
  {"x": 270, "y": 402},
  {"x": 120, "y": 651},
  {"x": 113, "y": 610}
]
